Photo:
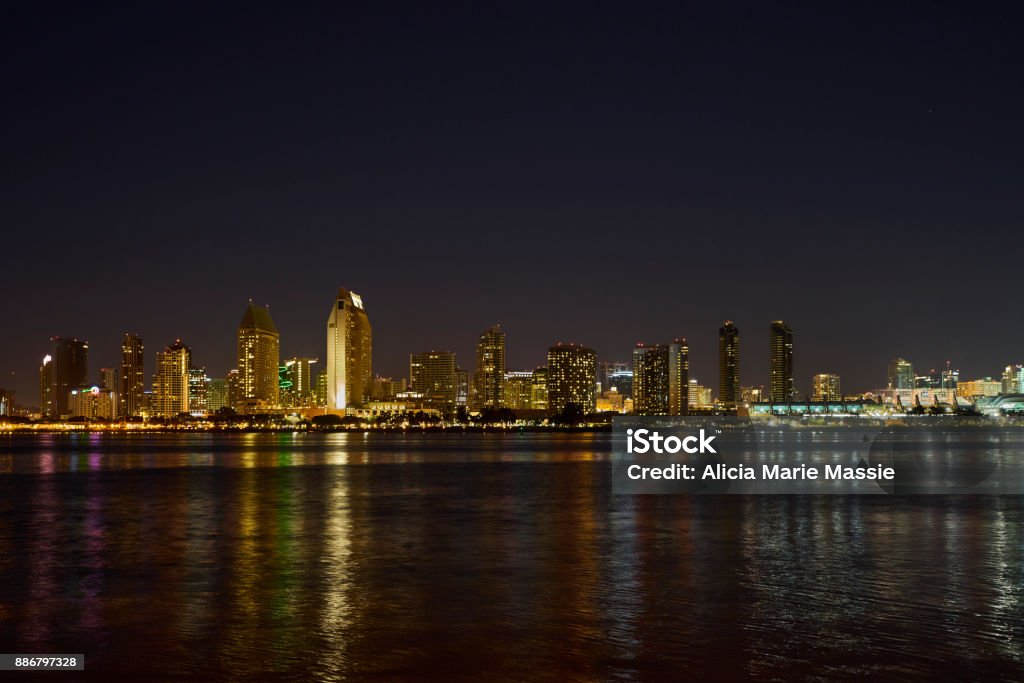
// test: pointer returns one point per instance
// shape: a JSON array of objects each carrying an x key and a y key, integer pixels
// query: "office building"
[
  {"x": 901, "y": 374},
  {"x": 66, "y": 367},
  {"x": 198, "y": 392},
  {"x": 349, "y": 352},
  {"x": 572, "y": 378},
  {"x": 259, "y": 357},
  {"x": 1013, "y": 379},
  {"x": 461, "y": 387},
  {"x": 519, "y": 390},
  {"x": 728, "y": 364},
  {"x": 651, "y": 380},
  {"x": 780, "y": 377},
  {"x": 825, "y": 387},
  {"x": 539, "y": 389},
  {"x": 170, "y": 383},
  {"x": 133, "y": 376},
  {"x": 216, "y": 394},
  {"x": 92, "y": 403},
  {"x": 978, "y": 388},
  {"x": 6, "y": 403},
  {"x": 432, "y": 374},
  {"x": 489, "y": 376},
  {"x": 678, "y": 377}
]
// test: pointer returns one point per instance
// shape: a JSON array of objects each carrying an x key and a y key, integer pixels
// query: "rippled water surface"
[{"x": 481, "y": 556}]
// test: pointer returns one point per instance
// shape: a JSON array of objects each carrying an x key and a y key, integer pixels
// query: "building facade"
[
  {"x": 259, "y": 356},
  {"x": 780, "y": 376},
  {"x": 489, "y": 376},
  {"x": 170, "y": 382},
  {"x": 349, "y": 352},
  {"x": 66, "y": 367},
  {"x": 728, "y": 364},
  {"x": 651, "y": 380},
  {"x": 901, "y": 374},
  {"x": 433, "y": 375},
  {"x": 572, "y": 378},
  {"x": 825, "y": 387}
]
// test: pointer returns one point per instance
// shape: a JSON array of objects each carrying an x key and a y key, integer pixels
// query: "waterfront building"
[
  {"x": 572, "y": 378},
  {"x": 780, "y": 345},
  {"x": 489, "y": 376},
  {"x": 349, "y": 352},
  {"x": 92, "y": 403},
  {"x": 66, "y": 369},
  {"x": 825, "y": 387},
  {"x": 259, "y": 357},
  {"x": 432, "y": 374},
  {"x": 728, "y": 364},
  {"x": 170, "y": 383},
  {"x": 297, "y": 377},
  {"x": 651, "y": 380},
  {"x": 216, "y": 394},
  {"x": 519, "y": 390},
  {"x": 198, "y": 396},
  {"x": 901, "y": 374},
  {"x": 539, "y": 389}
]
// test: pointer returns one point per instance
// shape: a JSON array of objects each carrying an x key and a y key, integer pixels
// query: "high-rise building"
[
  {"x": 109, "y": 382},
  {"x": 259, "y": 356},
  {"x": 170, "y": 383},
  {"x": 753, "y": 394},
  {"x": 620, "y": 381},
  {"x": 978, "y": 388},
  {"x": 1013, "y": 379},
  {"x": 432, "y": 374},
  {"x": 728, "y": 364},
  {"x": 780, "y": 376},
  {"x": 901, "y": 374},
  {"x": 539, "y": 389},
  {"x": 349, "y": 352},
  {"x": 298, "y": 375},
  {"x": 651, "y": 380},
  {"x": 234, "y": 388},
  {"x": 6, "y": 403},
  {"x": 198, "y": 392},
  {"x": 519, "y": 389},
  {"x": 489, "y": 377},
  {"x": 46, "y": 405},
  {"x": 461, "y": 387},
  {"x": 699, "y": 396},
  {"x": 216, "y": 394},
  {"x": 606, "y": 369},
  {"x": 67, "y": 369},
  {"x": 92, "y": 403},
  {"x": 825, "y": 387},
  {"x": 133, "y": 376},
  {"x": 678, "y": 377},
  {"x": 572, "y": 378}
]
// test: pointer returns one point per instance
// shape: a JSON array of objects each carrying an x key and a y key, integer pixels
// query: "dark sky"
[{"x": 601, "y": 175}]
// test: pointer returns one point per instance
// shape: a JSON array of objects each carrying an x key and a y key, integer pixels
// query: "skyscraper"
[
  {"x": 259, "y": 353},
  {"x": 780, "y": 376},
  {"x": 67, "y": 369},
  {"x": 1013, "y": 379},
  {"x": 109, "y": 381},
  {"x": 299, "y": 374},
  {"x": 489, "y": 378},
  {"x": 432, "y": 374},
  {"x": 728, "y": 364},
  {"x": 826, "y": 387},
  {"x": 198, "y": 391},
  {"x": 216, "y": 394},
  {"x": 651, "y": 380},
  {"x": 539, "y": 389},
  {"x": 133, "y": 376},
  {"x": 349, "y": 352},
  {"x": 901, "y": 374},
  {"x": 170, "y": 383},
  {"x": 572, "y": 378},
  {"x": 519, "y": 389},
  {"x": 678, "y": 377}
]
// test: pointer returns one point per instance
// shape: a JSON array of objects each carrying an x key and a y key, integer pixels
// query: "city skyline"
[{"x": 852, "y": 385}]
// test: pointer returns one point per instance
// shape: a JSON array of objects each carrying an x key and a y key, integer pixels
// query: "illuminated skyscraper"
[
  {"x": 572, "y": 378},
  {"x": 109, "y": 381},
  {"x": 539, "y": 388},
  {"x": 728, "y": 364},
  {"x": 198, "y": 392},
  {"x": 1013, "y": 379},
  {"x": 461, "y": 387},
  {"x": 650, "y": 380},
  {"x": 901, "y": 374},
  {"x": 780, "y": 376},
  {"x": 519, "y": 390},
  {"x": 170, "y": 383},
  {"x": 825, "y": 387},
  {"x": 259, "y": 354},
  {"x": 216, "y": 394},
  {"x": 67, "y": 369},
  {"x": 349, "y": 352},
  {"x": 299, "y": 375},
  {"x": 234, "y": 389},
  {"x": 489, "y": 377},
  {"x": 432, "y": 374},
  {"x": 46, "y": 406},
  {"x": 133, "y": 376},
  {"x": 678, "y": 377}
]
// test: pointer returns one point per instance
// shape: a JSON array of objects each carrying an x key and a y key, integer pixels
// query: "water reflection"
[{"x": 481, "y": 556}]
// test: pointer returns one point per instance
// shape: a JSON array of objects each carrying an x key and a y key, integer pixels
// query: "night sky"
[{"x": 583, "y": 175}]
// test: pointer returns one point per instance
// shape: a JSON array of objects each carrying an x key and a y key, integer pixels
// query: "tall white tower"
[{"x": 349, "y": 352}]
